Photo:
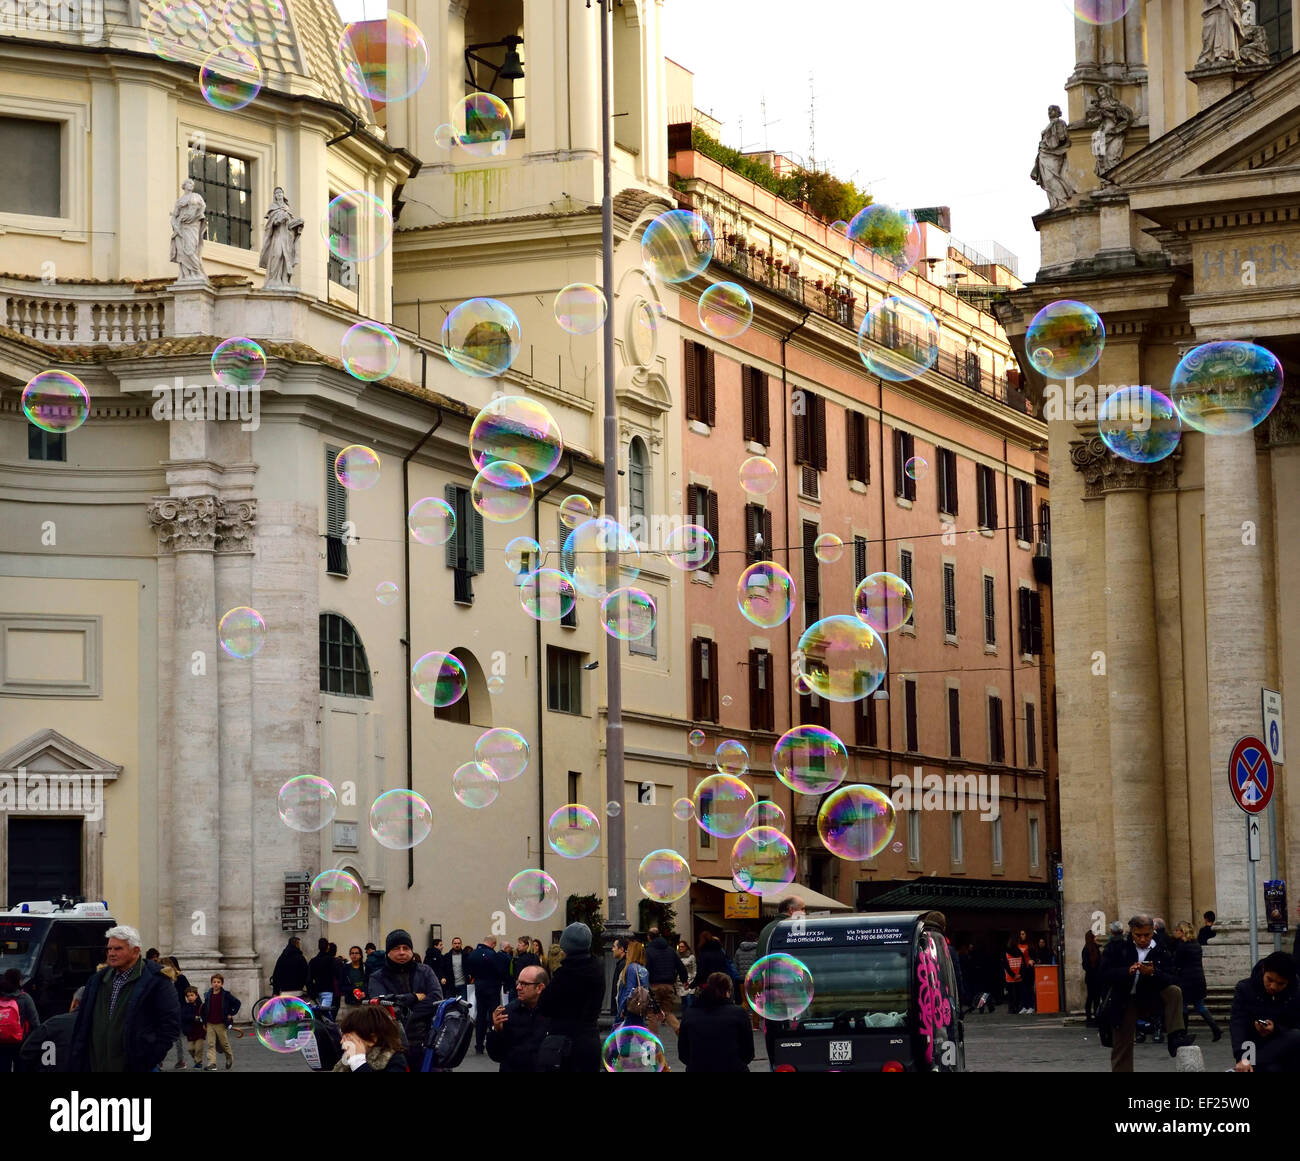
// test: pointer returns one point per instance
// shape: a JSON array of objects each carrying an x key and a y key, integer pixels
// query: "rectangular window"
[
  {"x": 1034, "y": 853},
  {"x": 1274, "y": 17},
  {"x": 864, "y": 722},
  {"x": 949, "y": 599},
  {"x": 986, "y": 491},
  {"x": 343, "y": 227},
  {"x": 812, "y": 584},
  {"x": 700, "y": 392},
  {"x": 997, "y": 840},
  {"x": 226, "y": 185},
  {"x": 913, "y": 836},
  {"x": 958, "y": 839},
  {"x": 50, "y": 446},
  {"x": 563, "y": 680},
  {"x": 1045, "y": 524},
  {"x": 913, "y": 744},
  {"x": 464, "y": 551},
  {"x": 954, "y": 722},
  {"x": 809, "y": 413},
  {"x": 758, "y": 533},
  {"x": 705, "y": 806},
  {"x": 859, "y": 559},
  {"x": 647, "y": 646},
  {"x": 1031, "y": 735},
  {"x": 31, "y": 179},
  {"x": 702, "y": 507},
  {"x": 569, "y": 618},
  {"x": 336, "y": 516},
  {"x": 1031, "y": 622},
  {"x": 753, "y": 387},
  {"x": 575, "y": 786},
  {"x": 905, "y": 571},
  {"x": 997, "y": 747},
  {"x": 1024, "y": 512},
  {"x": 704, "y": 680},
  {"x": 814, "y": 710},
  {"x": 904, "y": 450},
  {"x": 762, "y": 691},
  {"x": 859, "y": 455},
  {"x": 990, "y": 612},
  {"x": 946, "y": 478}
]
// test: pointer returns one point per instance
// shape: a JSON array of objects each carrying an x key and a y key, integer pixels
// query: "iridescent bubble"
[
  {"x": 502, "y": 492},
  {"x": 844, "y": 659},
  {"x": 810, "y": 759},
  {"x": 727, "y": 699},
  {"x": 307, "y": 803},
  {"x": 175, "y": 27},
  {"x": 689, "y": 547},
  {"x": 547, "y": 594},
  {"x": 628, "y": 614},
  {"x": 230, "y": 78},
  {"x": 677, "y": 246},
  {"x": 896, "y": 847},
  {"x": 357, "y": 467},
  {"x": 721, "y": 803},
  {"x": 898, "y": 340},
  {"x": 400, "y": 820},
  {"x": 482, "y": 124},
  {"x": 856, "y": 822},
  {"x": 684, "y": 809},
  {"x": 475, "y": 785},
  {"x": 496, "y": 683},
  {"x": 522, "y": 554},
  {"x": 444, "y": 136},
  {"x": 632, "y": 1048},
  {"x": 1100, "y": 11},
  {"x": 613, "y": 809},
  {"x": 731, "y": 757},
  {"x": 580, "y": 308},
  {"x": 532, "y": 895},
  {"x": 356, "y": 227},
  {"x": 518, "y": 430},
  {"x": 284, "y": 1024},
  {"x": 758, "y": 475},
  {"x": 370, "y": 351},
  {"x": 883, "y": 601},
  {"x": 56, "y": 401},
  {"x": 664, "y": 876},
  {"x": 763, "y": 861},
  {"x": 584, "y": 556},
  {"x": 335, "y": 896},
  {"x": 915, "y": 467},
  {"x": 696, "y": 738},
  {"x": 481, "y": 337},
  {"x": 573, "y": 831},
  {"x": 765, "y": 812},
  {"x": 386, "y": 593},
  {"x": 241, "y": 632},
  {"x": 384, "y": 60},
  {"x": 504, "y": 751},
  {"x": 238, "y": 363},
  {"x": 726, "y": 310},
  {"x": 1139, "y": 424},
  {"x": 431, "y": 521},
  {"x": 839, "y": 226},
  {"x": 765, "y": 594},
  {"x": 1065, "y": 339},
  {"x": 575, "y": 510},
  {"x": 888, "y": 234},
  {"x": 254, "y": 22},
  {"x": 828, "y": 548},
  {"x": 439, "y": 679},
  {"x": 1226, "y": 388},
  {"x": 779, "y": 987}
]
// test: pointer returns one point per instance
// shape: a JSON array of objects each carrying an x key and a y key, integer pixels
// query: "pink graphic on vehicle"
[{"x": 935, "y": 1006}]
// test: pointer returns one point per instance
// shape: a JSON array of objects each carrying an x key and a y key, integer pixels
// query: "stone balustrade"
[{"x": 83, "y": 314}]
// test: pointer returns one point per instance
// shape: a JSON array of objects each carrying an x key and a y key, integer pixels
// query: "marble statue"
[
  {"x": 1110, "y": 119},
  {"x": 189, "y": 225},
  {"x": 1049, "y": 166},
  {"x": 1254, "y": 47},
  {"x": 280, "y": 236},
  {"x": 1220, "y": 33}
]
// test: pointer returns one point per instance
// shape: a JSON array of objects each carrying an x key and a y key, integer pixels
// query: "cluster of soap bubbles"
[{"x": 399, "y": 819}]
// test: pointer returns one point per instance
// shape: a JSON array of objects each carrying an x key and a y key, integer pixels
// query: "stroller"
[{"x": 444, "y": 1044}]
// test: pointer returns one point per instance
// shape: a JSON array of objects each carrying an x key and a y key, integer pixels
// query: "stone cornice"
[
  {"x": 185, "y": 523},
  {"x": 1103, "y": 471}
]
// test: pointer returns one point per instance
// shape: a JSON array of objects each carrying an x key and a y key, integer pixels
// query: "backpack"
[
  {"x": 452, "y": 1031},
  {"x": 13, "y": 1028}
]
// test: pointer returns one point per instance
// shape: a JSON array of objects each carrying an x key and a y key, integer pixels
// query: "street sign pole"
[
  {"x": 1251, "y": 781},
  {"x": 1271, "y": 705},
  {"x": 1251, "y": 855}
]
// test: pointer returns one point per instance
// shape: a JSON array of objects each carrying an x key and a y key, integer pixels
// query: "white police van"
[{"x": 55, "y": 944}]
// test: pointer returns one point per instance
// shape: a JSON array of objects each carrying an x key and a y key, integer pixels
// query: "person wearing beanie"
[
  {"x": 400, "y": 976},
  {"x": 574, "y": 999}
]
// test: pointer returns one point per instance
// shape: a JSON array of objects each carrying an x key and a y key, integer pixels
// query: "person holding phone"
[{"x": 1265, "y": 1020}]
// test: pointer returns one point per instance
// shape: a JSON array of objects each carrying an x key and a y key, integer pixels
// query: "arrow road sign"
[
  {"x": 1250, "y": 775},
  {"x": 1252, "y": 840}
]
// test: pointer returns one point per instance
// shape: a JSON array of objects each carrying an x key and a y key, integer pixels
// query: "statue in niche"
[
  {"x": 281, "y": 232},
  {"x": 1221, "y": 34},
  {"x": 1110, "y": 119},
  {"x": 1254, "y": 47},
  {"x": 1049, "y": 166},
  {"x": 189, "y": 226}
]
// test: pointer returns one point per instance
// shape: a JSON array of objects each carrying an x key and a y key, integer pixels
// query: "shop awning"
[
  {"x": 955, "y": 895},
  {"x": 813, "y": 900}
]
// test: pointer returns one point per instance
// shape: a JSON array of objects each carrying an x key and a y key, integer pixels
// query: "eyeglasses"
[{"x": 528, "y": 983}]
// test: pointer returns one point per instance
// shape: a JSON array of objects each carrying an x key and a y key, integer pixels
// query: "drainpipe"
[
  {"x": 1011, "y": 623},
  {"x": 785, "y": 453},
  {"x": 884, "y": 566},
  {"x": 356, "y": 126},
  {"x": 406, "y": 593}
]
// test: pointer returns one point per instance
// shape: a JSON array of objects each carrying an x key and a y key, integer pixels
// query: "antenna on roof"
[{"x": 812, "y": 122}]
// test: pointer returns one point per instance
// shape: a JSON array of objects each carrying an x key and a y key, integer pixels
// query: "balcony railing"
[{"x": 87, "y": 315}]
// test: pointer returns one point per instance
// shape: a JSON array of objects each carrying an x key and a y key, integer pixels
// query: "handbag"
[{"x": 553, "y": 1053}]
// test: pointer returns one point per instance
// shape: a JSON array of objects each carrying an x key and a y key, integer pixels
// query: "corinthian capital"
[
  {"x": 235, "y": 525},
  {"x": 185, "y": 523},
  {"x": 1103, "y": 471}
]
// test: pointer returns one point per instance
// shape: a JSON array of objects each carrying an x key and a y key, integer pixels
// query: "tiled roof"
[{"x": 629, "y": 203}]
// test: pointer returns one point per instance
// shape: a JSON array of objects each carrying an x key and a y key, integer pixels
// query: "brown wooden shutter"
[
  {"x": 854, "y": 442},
  {"x": 800, "y": 405},
  {"x": 1035, "y": 622},
  {"x": 697, "y": 678},
  {"x": 899, "y": 478},
  {"x": 767, "y": 536},
  {"x": 715, "y": 679},
  {"x": 864, "y": 448},
  {"x": 711, "y": 498},
  {"x": 690, "y": 381},
  {"x": 747, "y": 403},
  {"x": 819, "y": 435},
  {"x": 812, "y": 586},
  {"x": 762, "y": 426},
  {"x": 710, "y": 398},
  {"x": 1022, "y": 596},
  {"x": 954, "y": 721},
  {"x": 950, "y": 472},
  {"x": 909, "y": 707}
]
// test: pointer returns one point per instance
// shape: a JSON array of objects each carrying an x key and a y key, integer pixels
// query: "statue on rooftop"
[
  {"x": 1110, "y": 119},
  {"x": 189, "y": 225},
  {"x": 1049, "y": 166},
  {"x": 280, "y": 236}
]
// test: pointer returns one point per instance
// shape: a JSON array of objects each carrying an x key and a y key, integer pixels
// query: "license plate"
[{"x": 841, "y": 1050}]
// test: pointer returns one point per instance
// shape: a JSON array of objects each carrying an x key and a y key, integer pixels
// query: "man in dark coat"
[
  {"x": 455, "y": 969},
  {"x": 129, "y": 1016},
  {"x": 291, "y": 972},
  {"x": 715, "y": 1035},
  {"x": 321, "y": 970},
  {"x": 1266, "y": 1017},
  {"x": 574, "y": 999},
  {"x": 1141, "y": 978},
  {"x": 490, "y": 971},
  {"x": 1207, "y": 931},
  {"x": 518, "y": 1029},
  {"x": 48, "y": 1048},
  {"x": 665, "y": 969},
  {"x": 402, "y": 976}
]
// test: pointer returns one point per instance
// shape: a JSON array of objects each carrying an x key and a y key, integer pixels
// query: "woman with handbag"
[
  {"x": 572, "y": 1003},
  {"x": 633, "y": 976}
]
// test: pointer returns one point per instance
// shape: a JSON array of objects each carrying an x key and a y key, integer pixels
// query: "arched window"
[
  {"x": 638, "y": 485},
  {"x": 343, "y": 666},
  {"x": 472, "y": 707}
]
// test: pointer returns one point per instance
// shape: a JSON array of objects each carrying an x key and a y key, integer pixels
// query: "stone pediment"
[{"x": 49, "y": 752}]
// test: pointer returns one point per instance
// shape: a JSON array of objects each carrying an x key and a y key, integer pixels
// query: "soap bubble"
[
  {"x": 856, "y": 822},
  {"x": 684, "y": 809},
  {"x": 356, "y": 226},
  {"x": 763, "y": 861},
  {"x": 475, "y": 785},
  {"x": 518, "y": 430},
  {"x": 400, "y": 820},
  {"x": 481, "y": 337},
  {"x": 307, "y": 803},
  {"x": 765, "y": 594},
  {"x": 501, "y": 492},
  {"x": 689, "y": 547},
  {"x": 810, "y": 759},
  {"x": 584, "y": 556},
  {"x": 726, "y": 310},
  {"x": 731, "y": 757},
  {"x": 664, "y": 876},
  {"x": 335, "y": 896},
  {"x": 613, "y": 809},
  {"x": 386, "y": 593},
  {"x": 575, "y": 510},
  {"x": 532, "y": 895},
  {"x": 758, "y": 475},
  {"x": 547, "y": 594},
  {"x": 1100, "y": 11},
  {"x": 496, "y": 683},
  {"x": 839, "y": 226},
  {"x": 1226, "y": 388},
  {"x": 721, "y": 803},
  {"x": 727, "y": 699},
  {"x": 828, "y": 548},
  {"x": 175, "y": 27},
  {"x": 632, "y": 1048},
  {"x": 883, "y": 601},
  {"x": 844, "y": 659},
  {"x": 483, "y": 124},
  {"x": 915, "y": 467},
  {"x": 896, "y": 847},
  {"x": 696, "y": 738},
  {"x": 444, "y": 136},
  {"x": 357, "y": 467},
  {"x": 677, "y": 246},
  {"x": 431, "y": 521},
  {"x": 890, "y": 235},
  {"x": 254, "y": 22},
  {"x": 523, "y": 554},
  {"x": 1065, "y": 339},
  {"x": 439, "y": 679},
  {"x": 1139, "y": 424},
  {"x": 580, "y": 308},
  {"x": 779, "y": 987},
  {"x": 284, "y": 1024},
  {"x": 384, "y": 60},
  {"x": 504, "y": 751},
  {"x": 230, "y": 78},
  {"x": 241, "y": 632},
  {"x": 765, "y": 812},
  {"x": 573, "y": 831},
  {"x": 898, "y": 340},
  {"x": 370, "y": 351},
  {"x": 628, "y": 614},
  {"x": 56, "y": 401},
  {"x": 238, "y": 363}
]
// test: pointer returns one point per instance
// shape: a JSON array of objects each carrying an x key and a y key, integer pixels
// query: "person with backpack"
[
  {"x": 18, "y": 1016},
  {"x": 48, "y": 1046},
  {"x": 518, "y": 1028}
]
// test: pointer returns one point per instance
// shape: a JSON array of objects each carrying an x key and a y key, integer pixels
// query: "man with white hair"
[{"x": 129, "y": 1017}]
